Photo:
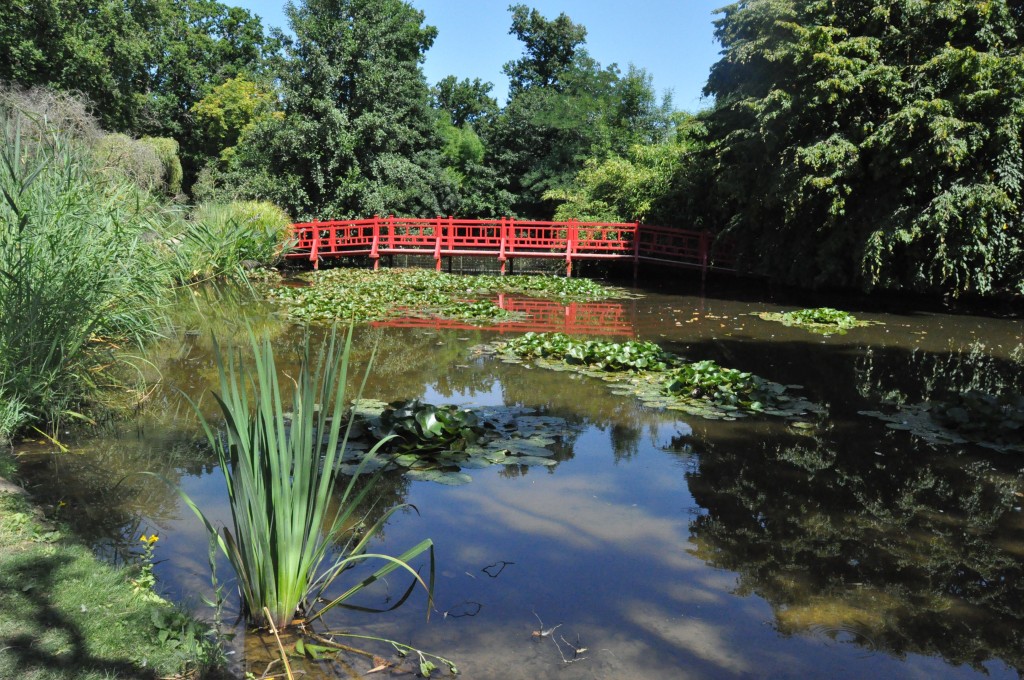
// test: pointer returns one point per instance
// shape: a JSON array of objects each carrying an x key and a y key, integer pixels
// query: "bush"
[
  {"x": 121, "y": 157},
  {"x": 166, "y": 150}
]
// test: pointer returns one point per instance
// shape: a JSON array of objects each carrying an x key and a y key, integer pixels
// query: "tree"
[
  {"x": 228, "y": 111},
  {"x": 465, "y": 101},
  {"x": 653, "y": 183},
  {"x": 870, "y": 143},
  {"x": 357, "y": 136},
  {"x": 143, "y": 64},
  {"x": 563, "y": 109}
]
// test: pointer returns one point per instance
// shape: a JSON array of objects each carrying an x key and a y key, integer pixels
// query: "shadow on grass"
[{"x": 49, "y": 642}]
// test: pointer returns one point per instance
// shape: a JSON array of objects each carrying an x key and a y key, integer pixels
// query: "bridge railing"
[{"x": 504, "y": 238}]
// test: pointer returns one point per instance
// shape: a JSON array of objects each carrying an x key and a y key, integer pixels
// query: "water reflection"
[
  {"x": 665, "y": 545},
  {"x": 899, "y": 549}
]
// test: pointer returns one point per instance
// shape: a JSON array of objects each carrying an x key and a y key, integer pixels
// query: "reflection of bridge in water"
[{"x": 542, "y": 316}]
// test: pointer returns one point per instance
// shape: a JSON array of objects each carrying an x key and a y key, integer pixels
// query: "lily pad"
[{"x": 440, "y": 476}]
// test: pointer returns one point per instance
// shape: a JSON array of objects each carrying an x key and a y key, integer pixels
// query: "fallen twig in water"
[{"x": 547, "y": 632}]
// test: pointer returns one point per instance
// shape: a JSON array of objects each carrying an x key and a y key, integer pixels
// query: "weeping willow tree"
[{"x": 872, "y": 143}]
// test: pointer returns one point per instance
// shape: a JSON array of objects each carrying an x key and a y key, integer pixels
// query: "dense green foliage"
[
  {"x": 871, "y": 144},
  {"x": 144, "y": 65},
  {"x": 90, "y": 251}
]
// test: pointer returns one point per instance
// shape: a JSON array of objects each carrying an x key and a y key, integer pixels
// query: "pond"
[{"x": 664, "y": 544}]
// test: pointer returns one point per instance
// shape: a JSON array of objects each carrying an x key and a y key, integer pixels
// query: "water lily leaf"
[
  {"x": 526, "y": 449},
  {"x": 531, "y": 461},
  {"x": 440, "y": 476}
]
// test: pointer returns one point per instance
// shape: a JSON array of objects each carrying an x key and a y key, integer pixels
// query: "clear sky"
[{"x": 672, "y": 39}]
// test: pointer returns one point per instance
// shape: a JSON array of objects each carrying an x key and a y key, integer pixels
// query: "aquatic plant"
[
  {"x": 723, "y": 386},
  {"x": 658, "y": 378},
  {"x": 603, "y": 355},
  {"x": 281, "y": 487},
  {"x": 825, "y": 320},
  {"x": 362, "y": 295},
  {"x": 991, "y": 421},
  {"x": 437, "y": 443}
]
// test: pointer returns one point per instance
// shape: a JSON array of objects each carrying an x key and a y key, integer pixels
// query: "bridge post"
[
  {"x": 437, "y": 243},
  {"x": 704, "y": 256},
  {"x": 502, "y": 230},
  {"x": 374, "y": 245},
  {"x": 570, "y": 243},
  {"x": 314, "y": 252},
  {"x": 636, "y": 251}
]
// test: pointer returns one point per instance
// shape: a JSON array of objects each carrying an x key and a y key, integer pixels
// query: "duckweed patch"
[
  {"x": 437, "y": 443},
  {"x": 993, "y": 422},
  {"x": 364, "y": 295},
  {"x": 658, "y": 378},
  {"x": 824, "y": 320}
]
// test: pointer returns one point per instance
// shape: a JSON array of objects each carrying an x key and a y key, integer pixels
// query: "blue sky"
[{"x": 672, "y": 39}]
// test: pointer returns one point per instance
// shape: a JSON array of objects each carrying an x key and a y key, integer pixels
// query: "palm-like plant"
[{"x": 280, "y": 481}]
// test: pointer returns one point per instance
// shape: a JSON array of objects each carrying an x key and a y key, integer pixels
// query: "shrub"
[{"x": 166, "y": 149}]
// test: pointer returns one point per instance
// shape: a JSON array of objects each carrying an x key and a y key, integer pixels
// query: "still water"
[{"x": 668, "y": 547}]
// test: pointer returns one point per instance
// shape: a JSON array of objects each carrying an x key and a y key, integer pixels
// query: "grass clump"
[
  {"x": 288, "y": 541},
  {"x": 825, "y": 320},
  {"x": 75, "y": 271},
  {"x": 65, "y": 615},
  {"x": 221, "y": 238}
]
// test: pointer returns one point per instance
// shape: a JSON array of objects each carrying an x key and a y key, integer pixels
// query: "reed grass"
[
  {"x": 74, "y": 271},
  {"x": 220, "y": 237},
  {"x": 281, "y": 486}
]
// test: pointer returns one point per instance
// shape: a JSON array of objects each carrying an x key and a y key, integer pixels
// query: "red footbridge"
[{"x": 508, "y": 239}]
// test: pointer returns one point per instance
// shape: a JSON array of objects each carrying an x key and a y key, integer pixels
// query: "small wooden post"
[{"x": 375, "y": 243}]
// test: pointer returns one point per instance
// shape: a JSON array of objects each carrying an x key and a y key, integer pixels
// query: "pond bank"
[{"x": 66, "y": 614}]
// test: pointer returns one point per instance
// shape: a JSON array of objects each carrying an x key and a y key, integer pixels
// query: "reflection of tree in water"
[
  {"x": 103, "y": 493},
  {"x": 389, "y": 491},
  {"x": 917, "y": 375},
  {"x": 909, "y": 552},
  {"x": 580, "y": 399}
]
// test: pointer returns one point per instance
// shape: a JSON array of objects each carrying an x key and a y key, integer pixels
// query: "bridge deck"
[{"x": 506, "y": 239}]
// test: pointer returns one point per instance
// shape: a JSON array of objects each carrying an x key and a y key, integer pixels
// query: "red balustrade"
[{"x": 505, "y": 239}]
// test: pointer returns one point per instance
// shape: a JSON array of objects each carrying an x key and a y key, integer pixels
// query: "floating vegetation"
[
  {"x": 969, "y": 418},
  {"x": 599, "y": 354},
  {"x": 436, "y": 443},
  {"x": 364, "y": 295},
  {"x": 658, "y": 378},
  {"x": 825, "y": 320}
]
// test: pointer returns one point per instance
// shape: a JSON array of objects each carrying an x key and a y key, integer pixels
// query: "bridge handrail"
[{"x": 504, "y": 237}]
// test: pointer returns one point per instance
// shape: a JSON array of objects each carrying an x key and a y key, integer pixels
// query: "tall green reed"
[
  {"x": 74, "y": 270},
  {"x": 220, "y": 237},
  {"x": 281, "y": 486}
]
